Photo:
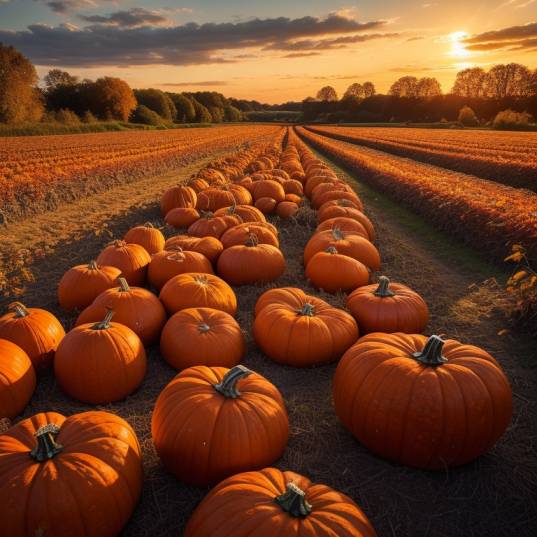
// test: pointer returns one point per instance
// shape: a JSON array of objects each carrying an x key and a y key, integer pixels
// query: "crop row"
[{"x": 507, "y": 158}]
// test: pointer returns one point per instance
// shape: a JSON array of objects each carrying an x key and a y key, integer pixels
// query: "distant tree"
[
  {"x": 111, "y": 98},
  {"x": 88, "y": 117},
  {"x": 185, "y": 112},
  {"x": 327, "y": 93},
  {"x": 511, "y": 80},
  {"x": 508, "y": 119},
  {"x": 355, "y": 90},
  {"x": 67, "y": 117},
  {"x": 428, "y": 87},
  {"x": 158, "y": 101},
  {"x": 470, "y": 83},
  {"x": 369, "y": 89},
  {"x": 57, "y": 77},
  {"x": 217, "y": 113},
  {"x": 146, "y": 116},
  {"x": 467, "y": 117},
  {"x": 533, "y": 84},
  {"x": 309, "y": 99},
  {"x": 406, "y": 86},
  {"x": 20, "y": 99},
  {"x": 202, "y": 113},
  {"x": 232, "y": 113}
]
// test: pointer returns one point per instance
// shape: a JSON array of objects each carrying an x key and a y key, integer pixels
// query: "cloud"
[
  {"x": 132, "y": 18},
  {"x": 327, "y": 44},
  {"x": 190, "y": 84},
  {"x": 416, "y": 38},
  {"x": 63, "y": 6},
  {"x": 301, "y": 54},
  {"x": 511, "y": 38},
  {"x": 189, "y": 44}
]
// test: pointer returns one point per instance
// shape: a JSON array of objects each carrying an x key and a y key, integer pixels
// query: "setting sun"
[{"x": 458, "y": 48}]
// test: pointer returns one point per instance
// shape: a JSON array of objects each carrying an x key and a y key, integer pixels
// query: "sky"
[{"x": 272, "y": 51}]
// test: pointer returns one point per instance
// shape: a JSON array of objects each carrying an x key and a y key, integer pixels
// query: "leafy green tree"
[
  {"x": 158, "y": 101},
  {"x": 185, "y": 111},
  {"x": 146, "y": 116}
]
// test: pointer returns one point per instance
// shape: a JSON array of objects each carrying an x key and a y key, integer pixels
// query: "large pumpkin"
[
  {"x": 388, "y": 307},
  {"x": 212, "y": 422},
  {"x": 202, "y": 336},
  {"x": 37, "y": 332},
  {"x": 213, "y": 226},
  {"x": 197, "y": 290},
  {"x": 17, "y": 379},
  {"x": 251, "y": 263},
  {"x": 66, "y": 477},
  {"x": 268, "y": 189},
  {"x": 135, "y": 307},
  {"x": 435, "y": 403},
  {"x": 297, "y": 329},
  {"x": 247, "y": 213},
  {"x": 131, "y": 259},
  {"x": 266, "y": 205},
  {"x": 345, "y": 224},
  {"x": 213, "y": 199},
  {"x": 286, "y": 209},
  {"x": 178, "y": 196},
  {"x": 100, "y": 363},
  {"x": 273, "y": 503},
  {"x": 82, "y": 284},
  {"x": 241, "y": 233},
  {"x": 182, "y": 217},
  {"x": 210, "y": 247},
  {"x": 148, "y": 236}
]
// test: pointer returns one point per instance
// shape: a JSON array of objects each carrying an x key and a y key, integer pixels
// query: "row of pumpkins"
[{"x": 420, "y": 401}]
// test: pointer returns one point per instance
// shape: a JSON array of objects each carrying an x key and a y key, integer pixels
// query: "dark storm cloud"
[{"x": 132, "y": 18}]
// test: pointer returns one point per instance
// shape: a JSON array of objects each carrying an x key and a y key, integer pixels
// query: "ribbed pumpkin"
[
  {"x": 294, "y": 198},
  {"x": 210, "y": 247},
  {"x": 251, "y": 263},
  {"x": 348, "y": 224},
  {"x": 436, "y": 403},
  {"x": 334, "y": 211},
  {"x": 67, "y": 477},
  {"x": 213, "y": 199},
  {"x": 198, "y": 184},
  {"x": 100, "y": 363},
  {"x": 148, "y": 236},
  {"x": 333, "y": 272},
  {"x": 388, "y": 307},
  {"x": 170, "y": 263},
  {"x": 292, "y": 186},
  {"x": 135, "y": 307},
  {"x": 202, "y": 336},
  {"x": 347, "y": 243},
  {"x": 316, "y": 180},
  {"x": 272, "y": 503},
  {"x": 321, "y": 199},
  {"x": 80, "y": 285},
  {"x": 297, "y": 329},
  {"x": 213, "y": 226},
  {"x": 17, "y": 379},
  {"x": 247, "y": 213},
  {"x": 37, "y": 332},
  {"x": 340, "y": 203},
  {"x": 240, "y": 234},
  {"x": 268, "y": 189},
  {"x": 286, "y": 209},
  {"x": 266, "y": 205},
  {"x": 131, "y": 259},
  {"x": 212, "y": 422},
  {"x": 177, "y": 196},
  {"x": 196, "y": 290},
  {"x": 182, "y": 217}
]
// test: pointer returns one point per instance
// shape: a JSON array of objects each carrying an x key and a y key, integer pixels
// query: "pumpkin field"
[{"x": 267, "y": 330}]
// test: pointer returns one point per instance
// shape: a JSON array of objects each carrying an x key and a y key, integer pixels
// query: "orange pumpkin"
[
  {"x": 17, "y": 380},
  {"x": 210, "y": 247},
  {"x": 348, "y": 224},
  {"x": 292, "y": 186},
  {"x": 37, "y": 332},
  {"x": 436, "y": 403},
  {"x": 271, "y": 502},
  {"x": 80, "y": 285},
  {"x": 340, "y": 203},
  {"x": 266, "y": 205},
  {"x": 240, "y": 234},
  {"x": 196, "y": 290},
  {"x": 131, "y": 259},
  {"x": 170, "y": 263},
  {"x": 202, "y": 336},
  {"x": 294, "y": 198},
  {"x": 178, "y": 196},
  {"x": 135, "y": 307},
  {"x": 347, "y": 213},
  {"x": 100, "y": 363},
  {"x": 182, "y": 217},
  {"x": 58, "y": 475},
  {"x": 192, "y": 419},
  {"x": 213, "y": 226},
  {"x": 148, "y": 236},
  {"x": 268, "y": 189},
  {"x": 286, "y": 209},
  {"x": 297, "y": 329},
  {"x": 214, "y": 198},
  {"x": 198, "y": 184},
  {"x": 247, "y": 213}
]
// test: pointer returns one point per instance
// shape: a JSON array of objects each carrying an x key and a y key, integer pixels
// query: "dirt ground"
[{"x": 495, "y": 496}]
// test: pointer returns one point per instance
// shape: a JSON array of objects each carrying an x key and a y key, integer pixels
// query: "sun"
[{"x": 458, "y": 48}]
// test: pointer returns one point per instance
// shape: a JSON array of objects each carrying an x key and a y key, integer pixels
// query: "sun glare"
[{"x": 458, "y": 48}]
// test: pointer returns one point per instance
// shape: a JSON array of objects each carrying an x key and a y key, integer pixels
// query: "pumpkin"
[
  {"x": 294, "y": 198},
  {"x": 277, "y": 172},
  {"x": 62, "y": 477},
  {"x": 247, "y": 213},
  {"x": 316, "y": 180},
  {"x": 347, "y": 243},
  {"x": 241, "y": 195},
  {"x": 170, "y": 263},
  {"x": 135, "y": 307},
  {"x": 270, "y": 502},
  {"x": 148, "y": 236},
  {"x": 178, "y": 196},
  {"x": 292, "y": 186},
  {"x": 100, "y": 363},
  {"x": 388, "y": 307},
  {"x": 213, "y": 422},
  {"x": 214, "y": 198},
  {"x": 334, "y": 211},
  {"x": 213, "y": 226},
  {"x": 240, "y": 234},
  {"x": 286, "y": 209},
  {"x": 251, "y": 263},
  {"x": 80, "y": 285},
  {"x": 131, "y": 259},
  {"x": 202, "y": 336},
  {"x": 348, "y": 224},
  {"x": 196, "y": 290},
  {"x": 333, "y": 272},
  {"x": 340, "y": 203},
  {"x": 210, "y": 247},
  {"x": 198, "y": 185},
  {"x": 321, "y": 199},
  {"x": 37, "y": 332},
  {"x": 436, "y": 403},
  {"x": 182, "y": 217},
  {"x": 268, "y": 189},
  {"x": 266, "y": 205},
  {"x": 297, "y": 329},
  {"x": 17, "y": 379}
]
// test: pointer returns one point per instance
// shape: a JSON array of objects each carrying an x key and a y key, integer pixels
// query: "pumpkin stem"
[
  {"x": 331, "y": 250},
  {"x": 92, "y": 265},
  {"x": 432, "y": 352},
  {"x": 105, "y": 323},
  {"x": 293, "y": 501},
  {"x": 123, "y": 285},
  {"x": 307, "y": 309},
  {"x": 203, "y": 328},
  {"x": 344, "y": 203},
  {"x": 228, "y": 385},
  {"x": 149, "y": 224},
  {"x": 337, "y": 234},
  {"x": 383, "y": 290},
  {"x": 252, "y": 240},
  {"x": 206, "y": 214},
  {"x": 231, "y": 208},
  {"x": 47, "y": 447},
  {"x": 201, "y": 279},
  {"x": 19, "y": 309}
]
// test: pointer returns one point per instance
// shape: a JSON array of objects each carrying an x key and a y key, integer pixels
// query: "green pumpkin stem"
[
  {"x": 105, "y": 323},
  {"x": 432, "y": 352},
  {"x": 293, "y": 501},
  {"x": 383, "y": 290},
  {"x": 228, "y": 385},
  {"x": 123, "y": 285},
  {"x": 46, "y": 447},
  {"x": 307, "y": 310},
  {"x": 92, "y": 265},
  {"x": 19, "y": 309}
]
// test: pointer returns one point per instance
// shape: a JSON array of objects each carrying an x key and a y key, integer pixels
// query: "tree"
[
  {"x": 158, "y": 101},
  {"x": 470, "y": 83},
  {"x": 328, "y": 93},
  {"x": 428, "y": 87},
  {"x": 511, "y": 80},
  {"x": 202, "y": 113},
  {"x": 20, "y": 99},
  {"x": 467, "y": 117},
  {"x": 369, "y": 89},
  {"x": 406, "y": 86},
  {"x": 355, "y": 90},
  {"x": 146, "y": 116},
  {"x": 57, "y": 77},
  {"x": 232, "y": 114},
  {"x": 185, "y": 112},
  {"x": 111, "y": 98},
  {"x": 510, "y": 120}
]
